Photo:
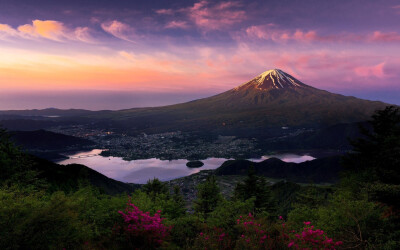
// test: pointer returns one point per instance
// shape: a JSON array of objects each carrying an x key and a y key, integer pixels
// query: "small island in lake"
[{"x": 194, "y": 164}]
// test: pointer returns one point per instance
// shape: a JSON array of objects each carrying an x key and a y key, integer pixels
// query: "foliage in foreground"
[{"x": 362, "y": 212}]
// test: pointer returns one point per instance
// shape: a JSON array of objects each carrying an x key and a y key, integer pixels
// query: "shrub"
[
  {"x": 141, "y": 230},
  {"x": 258, "y": 234},
  {"x": 215, "y": 238},
  {"x": 311, "y": 238}
]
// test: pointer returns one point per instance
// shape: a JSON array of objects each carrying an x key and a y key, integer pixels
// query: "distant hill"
[
  {"x": 26, "y": 124},
  {"x": 69, "y": 177},
  {"x": 271, "y": 100},
  {"x": 323, "y": 170},
  {"x": 49, "y": 112},
  {"x": 34, "y": 119},
  {"x": 46, "y": 140}
]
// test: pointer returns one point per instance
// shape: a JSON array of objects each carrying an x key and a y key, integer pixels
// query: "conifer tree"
[
  {"x": 208, "y": 196},
  {"x": 256, "y": 187},
  {"x": 374, "y": 164},
  {"x": 155, "y": 188}
]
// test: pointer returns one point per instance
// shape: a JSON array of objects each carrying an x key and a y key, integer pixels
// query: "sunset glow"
[{"x": 197, "y": 47}]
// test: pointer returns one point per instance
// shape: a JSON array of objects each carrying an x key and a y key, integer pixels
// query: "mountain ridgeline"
[
  {"x": 271, "y": 100},
  {"x": 261, "y": 106}
]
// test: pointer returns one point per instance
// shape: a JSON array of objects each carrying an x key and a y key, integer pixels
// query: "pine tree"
[
  {"x": 155, "y": 188},
  {"x": 374, "y": 164},
  {"x": 208, "y": 196},
  {"x": 178, "y": 203},
  {"x": 256, "y": 187}
]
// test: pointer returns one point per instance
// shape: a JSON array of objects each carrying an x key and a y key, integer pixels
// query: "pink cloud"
[
  {"x": 165, "y": 11},
  {"x": 52, "y": 30},
  {"x": 325, "y": 69},
  {"x": 271, "y": 32},
  {"x": 378, "y": 36},
  {"x": 48, "y": 29},
  {"x": 177, "y": 25},
  {"x": 209, "y": 16},
  {"x": 215, "y": 17},
  {"x": 120, "y": 30},
  {"x": 368, "y": 71},
  {"x": 7, "y": 31},
  {"x": 84, "y": 34}
]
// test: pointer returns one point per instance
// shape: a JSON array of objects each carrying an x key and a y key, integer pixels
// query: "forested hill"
[
  {"x": 69, "y": 177},
  {"x": 323, "y": 170}
]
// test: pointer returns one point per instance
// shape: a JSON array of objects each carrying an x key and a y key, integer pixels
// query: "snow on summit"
[{"x": 273, "y": 79}]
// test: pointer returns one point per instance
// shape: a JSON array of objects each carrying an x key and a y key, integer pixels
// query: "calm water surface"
[{"x": 139, "y": 171}]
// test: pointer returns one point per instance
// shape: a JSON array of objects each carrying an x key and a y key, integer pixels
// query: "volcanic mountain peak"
[{"x": 273, "y": 79}]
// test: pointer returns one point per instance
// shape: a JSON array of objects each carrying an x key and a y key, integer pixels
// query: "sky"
[{"x": 98, "y": 54}]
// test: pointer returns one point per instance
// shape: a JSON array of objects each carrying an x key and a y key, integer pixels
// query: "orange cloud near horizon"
[
  {"x": 47, "y": 29},
  {"x": 20, "y": 70},
  {"x": 203, "y": 69}
]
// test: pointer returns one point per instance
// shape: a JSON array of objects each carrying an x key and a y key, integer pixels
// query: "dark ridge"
[
  {"x": 69, "y": 177},
  {"x": 323, "y": 170},
  {"x": 46, "y": 140}
]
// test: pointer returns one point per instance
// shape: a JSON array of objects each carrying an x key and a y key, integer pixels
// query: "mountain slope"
[{"x": 270, "y": 100}]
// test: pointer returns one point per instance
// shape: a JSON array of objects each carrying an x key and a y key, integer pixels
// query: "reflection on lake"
[
  {"x": 287, "y": 158},
  {"x": 139, "y": 171}
]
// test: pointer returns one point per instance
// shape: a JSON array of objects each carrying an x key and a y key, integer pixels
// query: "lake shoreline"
[{"x": 141, "y": 170}]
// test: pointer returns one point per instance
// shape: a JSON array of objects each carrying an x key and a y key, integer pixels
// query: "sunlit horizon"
[{"x": 173, "y": 52}]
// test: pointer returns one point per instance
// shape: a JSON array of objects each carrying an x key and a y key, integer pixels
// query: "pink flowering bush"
[
  {"x": 141, "y": 229},
  {"x": 251, "y": 233},
  {"x": 256, "y": 234},
  {"x": 311, "y": 238},
  {"x": 213, "y": 239}
]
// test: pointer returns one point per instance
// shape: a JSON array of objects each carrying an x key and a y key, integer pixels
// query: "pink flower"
[
  {"x": 143, "y": 225},
  {"x": 307, "y": 223}
]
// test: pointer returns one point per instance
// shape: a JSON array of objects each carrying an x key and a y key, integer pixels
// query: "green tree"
[
  {"x": 15, "y": 166},
  {"x": 155, "y": 188},
  {"x": 208, "y": 196},
  {"x": 374, "y": 164},
  {"x": 256, "y": 187},
  {"x": 178, "y": 207}
]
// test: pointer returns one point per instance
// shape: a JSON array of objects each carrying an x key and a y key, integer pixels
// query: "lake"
[{"x": 139, "y": 171}]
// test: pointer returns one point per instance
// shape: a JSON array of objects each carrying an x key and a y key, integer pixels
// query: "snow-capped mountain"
[
  {"x": 273, "y": 79},
  {"x": 273, "y": 99}
]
